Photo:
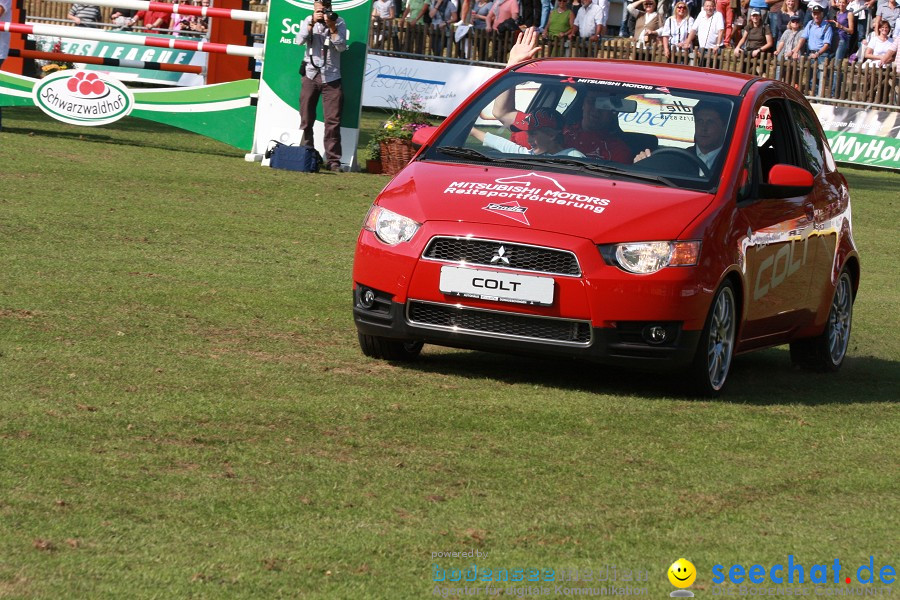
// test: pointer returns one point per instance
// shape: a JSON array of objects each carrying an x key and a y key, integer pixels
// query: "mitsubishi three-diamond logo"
[{"x": 500, "y": 257}]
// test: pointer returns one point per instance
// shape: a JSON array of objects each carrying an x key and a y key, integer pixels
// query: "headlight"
[
  {"x": 390, "y": 227},
  {"x": 650, "y": 257}
]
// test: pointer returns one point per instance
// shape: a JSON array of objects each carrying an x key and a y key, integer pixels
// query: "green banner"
[{"x": 860, "y": 149}]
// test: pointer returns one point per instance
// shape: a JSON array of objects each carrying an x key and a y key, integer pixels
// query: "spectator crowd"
[{"x": 823, "y": 31}]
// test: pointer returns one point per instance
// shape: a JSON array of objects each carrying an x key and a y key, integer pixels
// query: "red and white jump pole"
[
  {"x": 84, "y": 33},
  {"x": 107, "y": 62},
  {"x": 180, "y": 9}
]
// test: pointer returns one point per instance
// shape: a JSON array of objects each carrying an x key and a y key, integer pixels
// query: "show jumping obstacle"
[{"x": 245, "y": 102}]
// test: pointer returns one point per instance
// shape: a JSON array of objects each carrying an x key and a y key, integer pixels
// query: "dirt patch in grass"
[{"x": 17, "y": 313}]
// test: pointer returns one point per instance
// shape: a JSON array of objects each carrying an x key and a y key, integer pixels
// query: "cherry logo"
[{"x": 86, "y": 84}]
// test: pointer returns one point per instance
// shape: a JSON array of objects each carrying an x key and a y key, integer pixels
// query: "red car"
[{"x": 646, "y": 215}]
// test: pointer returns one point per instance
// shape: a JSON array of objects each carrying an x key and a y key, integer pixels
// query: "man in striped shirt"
[{"x": 84, "y": 15}]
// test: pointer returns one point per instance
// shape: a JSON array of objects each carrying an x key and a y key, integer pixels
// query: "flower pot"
[
  {"x": 374, "y": 166},
  {"x": 395, "y": 154}
]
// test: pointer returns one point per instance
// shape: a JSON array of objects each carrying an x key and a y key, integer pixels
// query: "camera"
[{"x": 331, "y": 15}]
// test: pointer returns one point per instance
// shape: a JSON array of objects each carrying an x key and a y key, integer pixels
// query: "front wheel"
[
  {"x": 712, "y": 361},
  {"x": 387, "y": 349},
  {"x": 825, "y": 353}
]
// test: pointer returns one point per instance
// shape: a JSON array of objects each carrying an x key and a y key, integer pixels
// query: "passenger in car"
[
  {"x": 543, "y": 130},
  {"x": 595, "y": 135}
]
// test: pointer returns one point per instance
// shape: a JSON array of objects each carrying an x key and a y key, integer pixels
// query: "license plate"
[{"x": 498, "y": 286}]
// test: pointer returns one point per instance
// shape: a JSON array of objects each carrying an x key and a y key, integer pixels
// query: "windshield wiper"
[
  {"x": 461, "y": 152},
  {"x": 565, "y": 161},
  {"x": 554, "y": 161}
]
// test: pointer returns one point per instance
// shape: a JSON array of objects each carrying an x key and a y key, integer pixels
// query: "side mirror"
[
  {"x": 786, "y": 181},
  {"x": 789, "y": 175},
  {"x": 421, "y": 136}
]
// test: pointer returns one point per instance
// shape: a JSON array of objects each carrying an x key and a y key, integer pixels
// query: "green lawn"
[{"x": 184, "y": 411}]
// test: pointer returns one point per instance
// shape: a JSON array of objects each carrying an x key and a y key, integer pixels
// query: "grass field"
[{"x": 184, "y": 411}]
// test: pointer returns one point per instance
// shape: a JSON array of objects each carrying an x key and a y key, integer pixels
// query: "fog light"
[
  {"x": 366, "y": 298},
  {"x": 655, "y": 334}
]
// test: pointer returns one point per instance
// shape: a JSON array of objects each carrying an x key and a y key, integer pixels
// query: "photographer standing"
[{"x": 325, "y": 34}]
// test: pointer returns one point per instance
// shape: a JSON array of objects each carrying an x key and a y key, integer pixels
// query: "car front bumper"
[{"x": 602, "y": 314}]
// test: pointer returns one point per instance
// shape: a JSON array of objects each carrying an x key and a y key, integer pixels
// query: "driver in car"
[
  {"x": 542, "y": 129},
  {"x": 710, "y": 120},
  {"x": 595, "y": 135}
]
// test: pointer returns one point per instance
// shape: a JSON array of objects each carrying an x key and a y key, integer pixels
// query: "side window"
[
  {"x": 808, "y": 135},
  {"x": 774, "y": 141}
]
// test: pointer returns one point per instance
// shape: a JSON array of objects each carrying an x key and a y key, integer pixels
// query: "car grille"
[
  {"x": 499, "y": 324},
  {"x": 487, "y": 252}
]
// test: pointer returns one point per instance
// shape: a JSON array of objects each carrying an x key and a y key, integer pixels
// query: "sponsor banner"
[
  {"x": 441, "y": 86},
  {"x": 104, "y": 49},
  {"x": 80, "y": 98},
  {"x": 862, "y": 136}
]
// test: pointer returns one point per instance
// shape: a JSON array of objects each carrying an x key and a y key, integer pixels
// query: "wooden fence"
[{"x": 839, "y": 80}]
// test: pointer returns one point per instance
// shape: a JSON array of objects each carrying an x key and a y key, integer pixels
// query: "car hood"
[{"x": 589, "y": 206}]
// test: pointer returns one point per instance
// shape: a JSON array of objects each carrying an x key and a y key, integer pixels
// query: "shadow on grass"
[
  {"x": 760, "y": 378},
  {"x": 23, "y": 121}
]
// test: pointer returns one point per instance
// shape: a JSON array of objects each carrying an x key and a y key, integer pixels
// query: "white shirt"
[
  {"x": 508, "y": 146},
  {"x": 676, "y": 32},
  {"x": 4, "y": 37},
  {"x": 710, "y": 157},
  {"x": 858, "y": 8},
  {"x": 383, "y": 8},
  {"x": 587, "y": 20},
  {"x": 708, "y": 29}
]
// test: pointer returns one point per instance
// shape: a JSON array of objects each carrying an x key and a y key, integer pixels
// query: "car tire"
[
  {"x": 715, "y": 350},
  {"x": 387, "y": 349},
  {"x": 825, "y": 353}
]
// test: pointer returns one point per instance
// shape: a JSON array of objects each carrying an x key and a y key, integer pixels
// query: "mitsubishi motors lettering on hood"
[{"x": 530, "y": 187}]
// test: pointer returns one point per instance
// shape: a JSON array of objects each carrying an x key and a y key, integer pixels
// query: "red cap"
[{"x": 542, "y": 117}]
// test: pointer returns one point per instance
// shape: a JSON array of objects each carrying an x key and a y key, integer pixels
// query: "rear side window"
[{"x": 808, "y": 136}]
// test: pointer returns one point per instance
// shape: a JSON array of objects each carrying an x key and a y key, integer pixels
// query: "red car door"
[{"x": 777, "y": 252}]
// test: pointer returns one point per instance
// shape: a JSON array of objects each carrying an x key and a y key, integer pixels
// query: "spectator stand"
[{"x": 854, "y": 83}]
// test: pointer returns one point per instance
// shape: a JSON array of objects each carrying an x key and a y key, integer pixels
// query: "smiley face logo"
[{"x": 682, "y": 573}]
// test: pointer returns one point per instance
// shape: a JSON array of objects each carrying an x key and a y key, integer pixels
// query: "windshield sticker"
[
  {"x": 529, "y": 187},
  {"x": 619, "y": 84},
  {"x": 512, "y": 210}
]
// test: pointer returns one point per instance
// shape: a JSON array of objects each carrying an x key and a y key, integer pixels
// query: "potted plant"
[
  {"x": 373, "y": 163},
  {"x": 395, "y": 137}
]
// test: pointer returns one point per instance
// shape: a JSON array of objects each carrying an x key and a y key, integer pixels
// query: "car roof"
[{"x": 676, "y": 76}]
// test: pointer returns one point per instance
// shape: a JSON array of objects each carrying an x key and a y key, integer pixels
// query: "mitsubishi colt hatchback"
[{"x": 625, "y": 213}]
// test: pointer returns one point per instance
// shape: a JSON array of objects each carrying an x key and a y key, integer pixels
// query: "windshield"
[{"x": 605, "y": 128}]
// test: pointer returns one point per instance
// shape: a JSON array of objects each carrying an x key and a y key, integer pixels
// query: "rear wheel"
[
  {"x": 712, "y": 362},
  {"x": 826, "y": 352},
  {"x": 387, "y": 349}
]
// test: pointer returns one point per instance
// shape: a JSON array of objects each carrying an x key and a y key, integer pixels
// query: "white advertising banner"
[{"x": 441, "y": 86}]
